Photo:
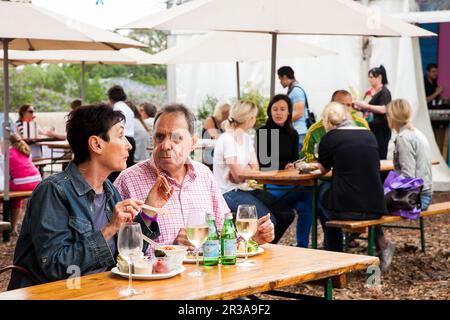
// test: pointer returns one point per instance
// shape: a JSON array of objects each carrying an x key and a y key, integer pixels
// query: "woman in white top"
[{"x": 234, "y": 153}]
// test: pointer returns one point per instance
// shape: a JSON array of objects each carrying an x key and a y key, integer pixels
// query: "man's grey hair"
[{"x": 179, "y": 108}]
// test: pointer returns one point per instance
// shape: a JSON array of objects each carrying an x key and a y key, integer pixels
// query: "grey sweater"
[{"x": 412, "y": 157}]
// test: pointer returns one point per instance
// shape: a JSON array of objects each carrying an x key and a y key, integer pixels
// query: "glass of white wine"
[
  {"x": 129, "y": 244},
  {"x": 246, "y": 225},
  {"x": 197, "y": 231}
]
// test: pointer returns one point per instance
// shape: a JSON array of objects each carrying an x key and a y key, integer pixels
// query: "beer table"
[
  {"x": 291, "y": 177},
  {"x": 56, "y": 145},
  {"x": 278, "y": 266}
]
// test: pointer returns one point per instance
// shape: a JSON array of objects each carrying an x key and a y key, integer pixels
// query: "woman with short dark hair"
[{"x": 73, "y": 217}]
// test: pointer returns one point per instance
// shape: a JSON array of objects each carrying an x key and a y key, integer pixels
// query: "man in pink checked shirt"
[{"x": 190, "y": 184}]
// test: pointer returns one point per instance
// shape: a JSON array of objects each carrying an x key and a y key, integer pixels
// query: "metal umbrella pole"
[
  {"x": 83, "y": 81},
  {"x": 6, "y": 135},
  {"x": 273, "y": 64},
  {"x": 238, "y": 81}
]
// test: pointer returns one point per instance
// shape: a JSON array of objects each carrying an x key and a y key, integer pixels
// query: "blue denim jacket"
[{"x": 58, "y": 230}]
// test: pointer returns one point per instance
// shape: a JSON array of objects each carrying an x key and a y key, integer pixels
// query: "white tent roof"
[
  {"x": 122, "y": 56},
  {"x": 234, "y": 46},
  {"x": 35, "y": 28},
  {"x": 326, "y": 17}
]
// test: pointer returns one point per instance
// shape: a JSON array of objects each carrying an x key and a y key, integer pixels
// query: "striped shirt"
[
  {"x": 198, "y": 194},
  {"x": 315, "y": 134}
]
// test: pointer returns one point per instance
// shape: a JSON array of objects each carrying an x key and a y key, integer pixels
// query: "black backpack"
[{"x": 311, "y": 116}]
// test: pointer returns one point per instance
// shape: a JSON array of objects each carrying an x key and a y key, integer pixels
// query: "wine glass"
[
  {"x": 316, "y": 151},
  {"x": 197, "y": 231},
  {"x": 246, "y": 225},
  {"x": 130, "y": 247}
]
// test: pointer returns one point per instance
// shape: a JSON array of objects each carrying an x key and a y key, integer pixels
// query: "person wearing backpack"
[{"x": 302, "y": 118}]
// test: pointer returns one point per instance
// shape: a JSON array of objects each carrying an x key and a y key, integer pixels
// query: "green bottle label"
[
  {"x": 229, "y": 248},
  {"x": 211, "y": 249}
]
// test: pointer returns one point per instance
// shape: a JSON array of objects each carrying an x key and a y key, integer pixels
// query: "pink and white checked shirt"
[{"x": 198, "y": 194}]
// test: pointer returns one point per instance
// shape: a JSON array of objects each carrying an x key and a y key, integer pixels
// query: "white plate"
[
  {"x": 250, "y": 254},
  {"x": 193, "y": 260},
  {"x": 154, "y": 276},
  {"x": 238, "y": 255}
]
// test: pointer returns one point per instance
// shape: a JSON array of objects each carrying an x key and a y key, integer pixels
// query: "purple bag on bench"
[{"x": 402, "y": 195}]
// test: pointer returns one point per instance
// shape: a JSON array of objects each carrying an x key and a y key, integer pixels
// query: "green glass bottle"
[
  {"x": 228, "y": 241},
  {"x": 211, "y": 247}
]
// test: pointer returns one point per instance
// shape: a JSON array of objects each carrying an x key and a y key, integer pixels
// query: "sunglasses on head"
[{"x": 30, "y": 111}]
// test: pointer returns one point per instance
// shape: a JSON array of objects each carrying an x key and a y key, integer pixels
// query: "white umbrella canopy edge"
[
  {"x": 40, "y": 29},
  {"x": 129, "y": 56},
  {"x": 122, "y": 56},
  {"x": 222, "y": 46},
  {"x": 281, "y": 17}
]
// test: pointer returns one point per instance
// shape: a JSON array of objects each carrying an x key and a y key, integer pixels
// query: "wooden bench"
[
  {"x": 363, "y": 226},
  {"x": 40, "y": 163},
  {"x": 17, "y": 194},
  {"x": 6, "y": 228}
]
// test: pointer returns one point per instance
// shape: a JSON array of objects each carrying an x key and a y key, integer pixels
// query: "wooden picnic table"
[
  {"x": 40, "y": 139},
  {"x": 55, "y": 144},
  {"x": 278, "y": 266},
  {"x": 291, "y": 177}
]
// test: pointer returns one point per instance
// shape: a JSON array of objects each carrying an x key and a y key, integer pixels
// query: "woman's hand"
[
  {"x": 124, "y": 212},
  {"x": 361, "y": 105},
  {"x": 290, "y": 166}
]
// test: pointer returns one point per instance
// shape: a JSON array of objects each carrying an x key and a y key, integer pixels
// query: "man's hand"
[
  {"x": 439, "y": 90},
  {"x": 159, "y": 194},
  {"x": 124, "y": 212},
  {"x": 265, "y": 231},
  {"x": 182, "y": 239},
  {"x": 232, "y": 179}
]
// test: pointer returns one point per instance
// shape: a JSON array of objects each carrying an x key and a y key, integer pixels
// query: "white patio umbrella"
[
  {"x": 83, "y": 57},
  {"x": 319, "y": 17},
  {"x": 234, "y": 46},
  {"x": 24, "y": 26}
]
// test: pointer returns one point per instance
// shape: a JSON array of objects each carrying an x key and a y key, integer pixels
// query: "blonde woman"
[
  {"x": 356, "y": 191},
  {"x": 212, "y": 126},
  {"x": 412, "y": 151},
  {"x": 233, "y": 154}
]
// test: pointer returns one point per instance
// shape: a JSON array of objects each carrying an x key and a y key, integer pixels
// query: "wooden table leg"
[
  {"x": 445, "y": 145},
  {"x": 328, "y": 289},
  {"x": 7, "y": 218}
]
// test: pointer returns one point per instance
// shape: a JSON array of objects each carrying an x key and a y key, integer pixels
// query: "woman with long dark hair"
[
  {"x": 277, "y": 148},
  {"x": 378, "y": 97}
]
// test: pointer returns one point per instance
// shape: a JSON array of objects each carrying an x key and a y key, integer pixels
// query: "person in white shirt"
[
  {"x": 148, "y": 111},
  {"x": 234, "y": 153},
  {"x": 141, "y": 135},
  {"x": 117, "y": 98}
]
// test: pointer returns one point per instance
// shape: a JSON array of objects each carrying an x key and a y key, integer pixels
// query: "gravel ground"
[{"x": 413, "y": 274}]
